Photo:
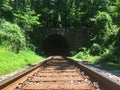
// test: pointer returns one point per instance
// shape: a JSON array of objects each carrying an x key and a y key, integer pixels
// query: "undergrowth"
[
  {"x": 10, "y": 61},
  {"x": 108, "y": 59}
]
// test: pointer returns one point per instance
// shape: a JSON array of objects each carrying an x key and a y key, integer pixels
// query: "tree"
[
  {"x": 18, "y": 14},
  {"x": 6, "y": 10},
  {"x": 114, "y": 10}
]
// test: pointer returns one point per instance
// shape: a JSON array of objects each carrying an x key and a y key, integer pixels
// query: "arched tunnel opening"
[{"x": 55, "y": 45}]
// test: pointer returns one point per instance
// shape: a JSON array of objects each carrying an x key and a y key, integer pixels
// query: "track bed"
[{"x": 58, "y": 73}]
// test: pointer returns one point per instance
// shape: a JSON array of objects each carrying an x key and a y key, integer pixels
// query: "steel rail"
[
  {"x": 105, "y": 82},
  {"x": 14, "y": 80}
]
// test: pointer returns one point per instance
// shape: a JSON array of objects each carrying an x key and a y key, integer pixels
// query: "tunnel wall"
[{"x": 76, "y": 37}]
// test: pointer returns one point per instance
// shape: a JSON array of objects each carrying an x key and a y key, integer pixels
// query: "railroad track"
[{"x": 58, "y": 73}]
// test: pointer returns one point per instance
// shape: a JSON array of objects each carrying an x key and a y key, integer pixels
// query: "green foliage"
[
  {"x": 109, "y": 56},
  {"x": 84, "y": 55},
  {"x": 6, "y": 10},
  {"x": 11, "y": 36},
  {"x": 114, "y": 10},
  {"x": 20, "y": 17},
  {"x": 26, "y": 19},
  {"x": 59, "y": 13},
  {"x": 83, "y": 52},
  {"x": 105, "y": 30},
  {"x": 96, "y": 49},
  {"x": 10, "y": 61},
  {"x": 5, "y": 5},
  {"x": 17, "y": 19},
  {"x": 75, "y": 14},
  {"x": 105, "y": 35}
]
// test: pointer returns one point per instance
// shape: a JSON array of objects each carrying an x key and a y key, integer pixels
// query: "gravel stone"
[
  {"x": 109, "y": 73},
  {"x": 114, "y": 76}
]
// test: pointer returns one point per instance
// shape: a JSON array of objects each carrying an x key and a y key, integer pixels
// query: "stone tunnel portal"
[{"x": 55, "y": 45}]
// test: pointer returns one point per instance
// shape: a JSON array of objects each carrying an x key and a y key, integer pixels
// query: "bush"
[
  {"x": 96, "y": 49},
  {"x": 105, "y": 29},
  {"x": 83, "y": 53},
  {"x": 11, "y": 36}
]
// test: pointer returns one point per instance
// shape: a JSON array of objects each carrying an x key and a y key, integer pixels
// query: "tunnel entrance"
[{"x": 55, "y": 45}]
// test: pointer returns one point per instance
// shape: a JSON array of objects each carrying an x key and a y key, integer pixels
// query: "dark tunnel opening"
[{"x": 55, "y": 45}]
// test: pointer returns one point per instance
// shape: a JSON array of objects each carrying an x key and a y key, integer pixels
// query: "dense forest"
[{"x": 19, "y": 18}]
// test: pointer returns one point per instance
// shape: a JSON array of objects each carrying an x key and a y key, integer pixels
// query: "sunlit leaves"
[
  {"x": 105, "y": 29},
  {"x": 26, "y": 19},
  {"x": 11, "y": 36},
  {"x": 5, "y": 5}
]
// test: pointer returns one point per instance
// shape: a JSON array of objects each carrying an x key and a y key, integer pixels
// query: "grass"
[
  {"x": 110, "y": 66},
  {"x": 10, "y": 61},
  {"x": 95, "y": 60},
  {"x": 81, "y": 56}
]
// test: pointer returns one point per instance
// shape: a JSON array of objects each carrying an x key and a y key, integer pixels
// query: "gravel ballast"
[{"x": 109, "y": 73}]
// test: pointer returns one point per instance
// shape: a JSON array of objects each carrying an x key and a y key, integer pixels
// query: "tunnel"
[{"x": 55, "y": 45}]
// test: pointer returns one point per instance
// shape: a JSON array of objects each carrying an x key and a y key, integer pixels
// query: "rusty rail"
[
  {"x": 59, "y": 73},
  {"x": 105, "y": 82}
]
